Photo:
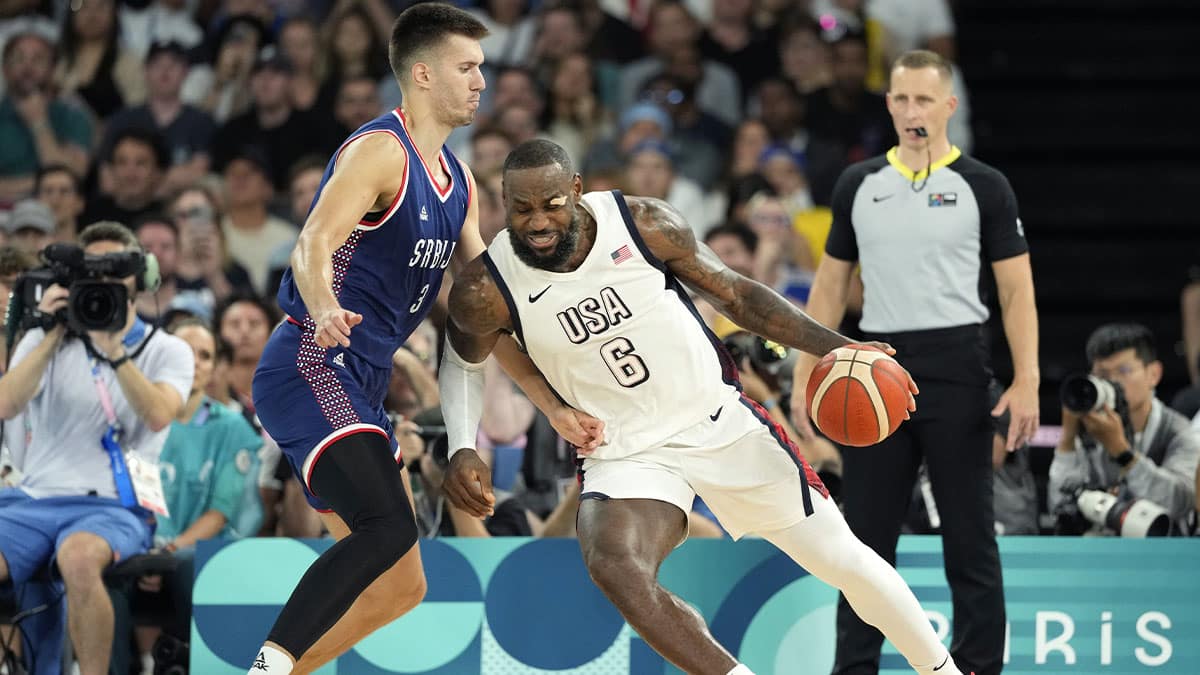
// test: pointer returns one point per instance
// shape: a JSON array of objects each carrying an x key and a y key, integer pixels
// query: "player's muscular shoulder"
[
  {"x": 378, "y": 160},
  {"x": 662, "y": 227},
  {"x": 476, "y": 305}
]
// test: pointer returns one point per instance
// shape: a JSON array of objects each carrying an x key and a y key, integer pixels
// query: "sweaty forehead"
[{"x": 537, "y": 184}]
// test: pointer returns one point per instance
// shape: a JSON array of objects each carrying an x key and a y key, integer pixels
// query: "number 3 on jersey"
[
  {"x": 627, "y": 367},
  {"x": 420, "y": 298}
]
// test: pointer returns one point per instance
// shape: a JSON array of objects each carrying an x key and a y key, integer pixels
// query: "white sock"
[
  {"x": 741, "y": 669},
  {"x": 943, "y": 666},
  {"x": 274, "y": 662}
]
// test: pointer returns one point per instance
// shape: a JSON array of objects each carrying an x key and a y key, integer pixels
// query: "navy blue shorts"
[{"x": 308, "y": 397}]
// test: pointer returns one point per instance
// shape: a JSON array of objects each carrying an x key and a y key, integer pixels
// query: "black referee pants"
[{"x": 952, "y": 432}]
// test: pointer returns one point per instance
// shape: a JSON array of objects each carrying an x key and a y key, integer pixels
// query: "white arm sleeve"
[{"x": 461, "y": 386}]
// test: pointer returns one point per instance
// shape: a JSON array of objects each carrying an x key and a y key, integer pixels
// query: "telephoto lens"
[{"x": 1085, "y": 393}]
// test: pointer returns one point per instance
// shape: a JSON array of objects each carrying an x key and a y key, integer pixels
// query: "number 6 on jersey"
[{"x": 629, "y": 368}]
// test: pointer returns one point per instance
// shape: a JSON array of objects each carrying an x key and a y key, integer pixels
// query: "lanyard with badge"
[{"x": 138, "y": 482}]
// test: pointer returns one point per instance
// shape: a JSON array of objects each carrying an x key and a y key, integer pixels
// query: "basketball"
[{"x": 857, "y": 395}]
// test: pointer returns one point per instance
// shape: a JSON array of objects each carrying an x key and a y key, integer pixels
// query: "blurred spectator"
[
  {"x": 851, "y": 122},
  {"x": 221, "y": 88},
  {"x": 784, "y": 170},
  {"x": 805, "y": 59},
  {"x": 353, "y": 48},
  {"x": 734, "y": 243},
  {"x": 673, "y": 29},
  {"x": 281, "y": 132},
  {"x": 559, "y": 34},
  {"x": 36, "y": 127},
  {"x": 30, "y": 226},
  {"x": 244, "y": 323},
  {"x": 492, "y": 218},
  {"x": 698, "y": 138},
  {"x": 94, "y": 64},
  {"x": 59, "y": 188},
  {"x": 1156, "y": 459},
  {"x": 13, "y": 263},
  {"x": 781, "y": 260},
  {"x": 914, "y": 24},
  {"x": 357, "y": 103},
  {"x": 750, "y": 139},
  {"x": 731, "y": 38},
  {"x": 642, "y": 122},
  {"x": 489, "y": 147},
  {"x": 517, "y": 87},
  {"x": 133, "y": 172},
  {"x": 304, "y": 180},
  {"x": 518, "y": 122},
  {"x": 158, "y": 21},
  {"x": 608, "y": 38},
  {"x": 782, "y": 111},
  {"x": 81, "y": 506},
  {"x": 299, "y": 42},
  {"x": 1015, "y": 489},
  {"x": 253, "y": 237},
  {"x": 207, "y": 461},
  {"x": 650, "y": 172},
  {"x": 510, "y": 31},
  {"x": 575, "y": 117},
  {"x": 204, "y": 264},
  {"x": 187, "y": 131},
  {"x": 18, "y": 17},
  {"x": 159, "y": 235}
]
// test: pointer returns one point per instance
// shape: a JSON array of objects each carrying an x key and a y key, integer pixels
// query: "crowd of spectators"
[{"x": 204, "y": 127}]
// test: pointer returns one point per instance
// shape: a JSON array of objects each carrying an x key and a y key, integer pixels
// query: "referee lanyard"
[{"x": 111, "y": 440}]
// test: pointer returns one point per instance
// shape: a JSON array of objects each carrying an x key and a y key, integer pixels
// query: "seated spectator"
[
  {"x": 133, "y": 172},
  {"x": 650, "y": 172},
  {"x": 59, "y": 188},
  {"x": 673, "y": 28},
  {"x": 299, "y": 41},
  {"x": 159, "y": 235},
  {"x": 30, "y": 226},
  {"x": 510, "y": 31},
  {"x": 357, "y": 103},
  {"x": 204, "y": 265},
  {"x": 575, "y": 117},
  {"x": 804, "y": 57},
  {"x": 783, "y": 168},
  {"x": 731, "y": 38},
  {"x": 735, "y": 244},
  {"x": 77, "y": 507},
  {"x": 781, "y": 260},
  {"x": 489, "y": 147},
  {"x": 37, "y": 128},
  {"x": 93, "y": 63},
  {"x": 209, "y": 467},
  {"x": 221, "y": 88},
  {"x": 253, "y": 236},
  {"x": 186, "y": 131},
  {"x": 750, "y": 139},
  {"x": 354, "y": 48},
  {"x": 1156, "y": 459},
  {"x": 698, "y": 137}
]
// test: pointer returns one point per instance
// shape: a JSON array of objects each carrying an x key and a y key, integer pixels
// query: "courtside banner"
[{"x": 523, "y": 607}]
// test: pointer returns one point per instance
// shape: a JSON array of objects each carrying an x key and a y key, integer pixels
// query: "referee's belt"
[{"x": 954, "y": 335}]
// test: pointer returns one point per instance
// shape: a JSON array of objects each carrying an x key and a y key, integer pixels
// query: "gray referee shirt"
[{"x": 923, "y": 252}]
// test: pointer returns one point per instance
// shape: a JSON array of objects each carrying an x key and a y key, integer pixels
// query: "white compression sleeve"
[{"x": 461, "y": 387}]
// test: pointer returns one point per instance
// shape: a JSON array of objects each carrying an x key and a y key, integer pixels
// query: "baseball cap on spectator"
[
  {"x": 167, "y": 47},
  {"x": 640, "y": 112},
  {"x": 30, "y": 213},
  {"x": 270, "y": 57}
]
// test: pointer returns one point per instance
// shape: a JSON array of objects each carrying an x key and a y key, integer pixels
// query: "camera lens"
[
  {"x": 1079, "y": 394},
  {"x": 96, "y": 305}
]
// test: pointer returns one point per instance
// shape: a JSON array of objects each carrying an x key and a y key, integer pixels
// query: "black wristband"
[{"x": 118, "y": 362}]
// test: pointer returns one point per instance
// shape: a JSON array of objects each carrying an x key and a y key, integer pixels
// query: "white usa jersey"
[{"x": 618, "y": 337}]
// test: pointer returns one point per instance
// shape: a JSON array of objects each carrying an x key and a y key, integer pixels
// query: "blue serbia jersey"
[{"x": 390, "y": 268}]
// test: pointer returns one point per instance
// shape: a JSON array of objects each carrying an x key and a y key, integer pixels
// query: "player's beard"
[{"x": 562, "y": 251}]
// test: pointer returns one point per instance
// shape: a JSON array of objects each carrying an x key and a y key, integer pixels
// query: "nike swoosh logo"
[
  {"x": 947, "y": 660},
  {"x": 534, "y": 298},
  {"x": 717, "y": 414},
  {"x": 879, "y": 199}
]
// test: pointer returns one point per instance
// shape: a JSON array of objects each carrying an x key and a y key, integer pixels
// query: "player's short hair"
[
  {"x": 923, "y": 58},
  {"x": 538, "y": 153},
  {"x": 1117, "y": 337},
  {"x": 424, "y": 26}
]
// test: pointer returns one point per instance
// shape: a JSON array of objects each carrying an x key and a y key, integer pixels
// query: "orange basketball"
[{"x": 857, "y": 395}]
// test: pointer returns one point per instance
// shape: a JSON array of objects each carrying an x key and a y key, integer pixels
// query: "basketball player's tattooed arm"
[
  {"x": 479, "y": 324},
  {"x": 745, "y": 301}
]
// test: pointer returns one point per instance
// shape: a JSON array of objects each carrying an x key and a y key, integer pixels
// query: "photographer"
[
  {"x": 1152, "y": 456},
  {"x": 80, "y": 502}
]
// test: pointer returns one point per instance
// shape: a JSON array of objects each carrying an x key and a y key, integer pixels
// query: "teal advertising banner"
[{"x": 523, "y": 607}]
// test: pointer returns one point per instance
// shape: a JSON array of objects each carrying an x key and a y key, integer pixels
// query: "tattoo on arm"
[
  {"x": 478, "y": 313},
  {"x": 750, "y": 304}
]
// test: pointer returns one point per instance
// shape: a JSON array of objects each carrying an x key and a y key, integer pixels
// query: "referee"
[{"x": 924, "y": 222}]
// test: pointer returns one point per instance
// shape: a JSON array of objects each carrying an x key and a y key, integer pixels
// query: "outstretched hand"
[
  {"x": 468, "y": 484},
  {"x": 578, "y": 428}
]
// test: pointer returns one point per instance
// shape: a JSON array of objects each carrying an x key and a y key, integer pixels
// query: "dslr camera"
[
  {"x": 1131, "y": 518},
  {"x": 1082, "y": 394},
  {"x": 96, "y": 302},
  {"x": 765, "y": 356}
]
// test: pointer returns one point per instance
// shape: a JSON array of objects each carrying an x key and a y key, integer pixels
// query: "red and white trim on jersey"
[
  {"x": 806, "y": 471},
  {"x": 310, "y": 460},
  {"x": 470, "y": 183},
  {"x": 399, "y": 198},
  {"x": 442, "y": 193}
]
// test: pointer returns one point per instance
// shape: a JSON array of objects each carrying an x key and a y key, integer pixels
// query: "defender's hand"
[
  {"x": 468, "y": 484},
  {"x": 333, "y": 327},
  {"x": 578, "y": 428}
]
